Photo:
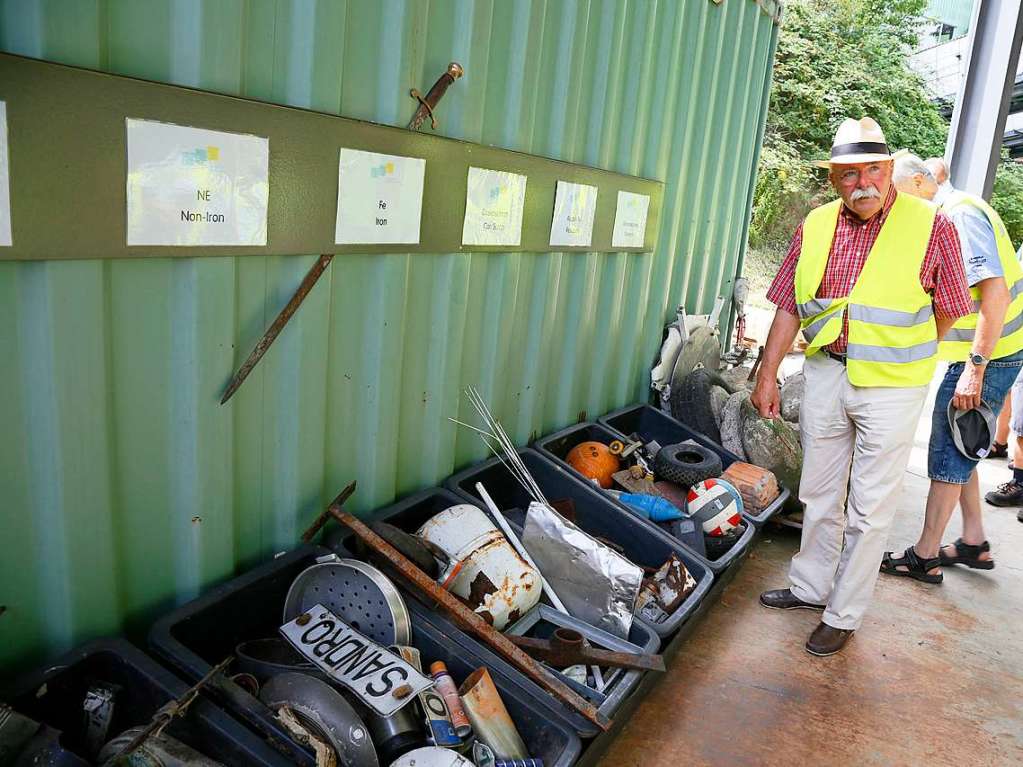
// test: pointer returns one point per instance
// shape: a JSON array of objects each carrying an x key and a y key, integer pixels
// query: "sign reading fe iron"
[
  {"x": 381, "y": 679},
  {"x": 191, "y": 186},
  {"x": 379, "y": 198}
]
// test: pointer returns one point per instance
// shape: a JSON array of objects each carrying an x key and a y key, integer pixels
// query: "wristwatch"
[{"x": 979, "y": 360}]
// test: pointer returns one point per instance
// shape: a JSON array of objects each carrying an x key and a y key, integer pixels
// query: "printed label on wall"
[
  {"x": 493, "y": 208},
  {"x": 5, "y": 186},
  {"x": 379, "y": 198},
  {"x": 190, "y": 186},
  {"x": 574, "y": 208},
  {"x": 630, "y": 220}
]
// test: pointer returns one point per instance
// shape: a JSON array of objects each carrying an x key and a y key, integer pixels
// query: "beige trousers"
[{"x": 857, "y": 440}]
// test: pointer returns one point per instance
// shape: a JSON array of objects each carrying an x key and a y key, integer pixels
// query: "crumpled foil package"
[{"x": 597, "y": 584}]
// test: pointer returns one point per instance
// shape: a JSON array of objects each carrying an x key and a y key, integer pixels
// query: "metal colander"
[{"x": 359, "y": 594}]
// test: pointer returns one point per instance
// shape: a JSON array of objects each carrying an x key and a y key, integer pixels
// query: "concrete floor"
[{"x": 934, "y": 676}]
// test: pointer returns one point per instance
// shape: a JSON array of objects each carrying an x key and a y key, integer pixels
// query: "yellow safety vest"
[
  {"x": 958, "y": 343},
  {"x": 893, "y": 340}
]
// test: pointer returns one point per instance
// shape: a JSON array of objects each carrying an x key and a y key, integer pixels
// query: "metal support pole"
[{"x": 975, "y": 136}]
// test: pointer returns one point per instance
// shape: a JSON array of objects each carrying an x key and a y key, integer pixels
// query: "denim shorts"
[{"x": 944, "y": 462}]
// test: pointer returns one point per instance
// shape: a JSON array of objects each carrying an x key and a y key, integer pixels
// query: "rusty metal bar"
[
  {"x": 321, "y": 520},
  {"x": 176, "y": 707},
  {"x": 563, "y": 649},
  {"x": 277, "y": 325},
  {"x": 473, "y": 622}
]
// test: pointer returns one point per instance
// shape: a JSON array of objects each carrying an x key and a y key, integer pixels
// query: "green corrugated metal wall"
[{"x": 126, "y": 488}]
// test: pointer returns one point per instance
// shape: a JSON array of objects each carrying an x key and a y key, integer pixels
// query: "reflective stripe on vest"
[
  {"x": 892, "y": 333},
  {"x": 958, "y": 342}
]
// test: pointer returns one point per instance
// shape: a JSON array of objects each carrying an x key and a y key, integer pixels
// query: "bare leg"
[
  {"x": 973, "y": 522},
  {"x": 1004, "y": 416},
  {"x": 941, "y": 502}
]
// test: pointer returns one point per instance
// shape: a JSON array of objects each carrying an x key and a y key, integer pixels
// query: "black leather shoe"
[
  {"x": 826, "y": 640},
  {"x": 782, "y": 599},
  {"x": 1009, "y": 494}
]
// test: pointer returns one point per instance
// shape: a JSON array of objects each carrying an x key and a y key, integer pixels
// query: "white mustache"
[{"x": 865, "y": 194}]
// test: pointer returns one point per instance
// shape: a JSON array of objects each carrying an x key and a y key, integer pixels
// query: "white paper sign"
[
  {"x": 574, "y": 208},
  {"x": 630, "y": 220},
  {"x": 379, "y": 198},
  {"x": 493, "y": 207},
  {"x": 5, "y": 188},
  {"x": 360, "y": 664},
  {"x": 190, "y": 186}
]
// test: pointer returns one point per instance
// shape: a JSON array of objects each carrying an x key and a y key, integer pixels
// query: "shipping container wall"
[{"x": 126, "y": 488}]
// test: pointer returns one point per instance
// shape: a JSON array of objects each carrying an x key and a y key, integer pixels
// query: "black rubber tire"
[
  {"x": 686, "y": 464},
  {"x": 690, "y": 402},
  {"x": 717, "y": 546}
]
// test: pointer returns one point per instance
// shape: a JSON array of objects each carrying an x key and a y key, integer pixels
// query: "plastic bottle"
[{"x": 448, "y": 691}]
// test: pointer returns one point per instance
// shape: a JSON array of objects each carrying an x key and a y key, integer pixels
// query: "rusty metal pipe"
[{"x": 473, "y": 622}]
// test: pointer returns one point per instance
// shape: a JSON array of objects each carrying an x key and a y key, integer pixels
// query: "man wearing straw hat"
[{"x": 873, "y": 279}]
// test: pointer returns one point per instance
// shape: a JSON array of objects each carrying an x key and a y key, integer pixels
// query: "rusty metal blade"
[
  {"x": 277, "y": 325},
  {"x": 473, "y": 622},
  {"x": 552, "y": 652},
  {"x": 321, "y": 520}
]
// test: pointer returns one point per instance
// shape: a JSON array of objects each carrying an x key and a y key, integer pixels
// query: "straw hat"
[{"x": 858, "y": 141}]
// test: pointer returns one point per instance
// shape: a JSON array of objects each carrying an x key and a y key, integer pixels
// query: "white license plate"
[{"x": 369, "y": 670}]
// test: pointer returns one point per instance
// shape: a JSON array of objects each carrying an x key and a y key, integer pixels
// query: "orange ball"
[{"x": 594, "y": 461}]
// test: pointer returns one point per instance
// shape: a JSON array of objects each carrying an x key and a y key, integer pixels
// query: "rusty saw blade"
[{"x": 472, "y": 622}]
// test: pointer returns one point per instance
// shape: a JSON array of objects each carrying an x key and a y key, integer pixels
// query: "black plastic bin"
[
  {"x": 144, "y": 687},
  {"x": 596, "y": 514},
  {"x": 653, "y": 424},
  {"x": 196, "y": 635},
  {"x": 410, "y": 514},
  {"x": 557, "y": 446}
]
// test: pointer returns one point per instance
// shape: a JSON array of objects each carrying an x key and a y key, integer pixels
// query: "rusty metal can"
[{"x": 448, "y": 691}]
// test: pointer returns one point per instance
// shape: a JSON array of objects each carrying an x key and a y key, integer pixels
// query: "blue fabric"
[
  {"x": 977, "y": 241},
  {"x": 944, "y": 462}
]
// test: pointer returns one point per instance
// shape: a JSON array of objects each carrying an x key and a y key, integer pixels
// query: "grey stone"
[
  {"x": 736, "y": 378},
  {"x": 792, "y": 397},
  {"x": 718, "y": 398},
  {"x": 731, "y": 421},
  {"x": 772, "y": 444}
]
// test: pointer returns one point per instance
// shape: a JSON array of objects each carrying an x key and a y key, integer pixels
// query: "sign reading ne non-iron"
[{"x": 381, "y": 679}]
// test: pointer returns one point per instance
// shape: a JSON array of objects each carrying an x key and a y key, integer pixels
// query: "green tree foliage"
[
  {"x": 1007, "y": 197},
  {"x": 836, "y": 59}
]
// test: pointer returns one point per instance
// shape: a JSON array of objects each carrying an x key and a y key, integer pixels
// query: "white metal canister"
[{"x": 496, "y": 582}]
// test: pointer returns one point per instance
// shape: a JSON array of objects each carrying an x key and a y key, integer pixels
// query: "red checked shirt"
[{"x": 942, "y": 274}]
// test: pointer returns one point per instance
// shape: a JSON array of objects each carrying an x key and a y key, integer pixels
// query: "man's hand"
[
  {"x": 969, "y": 386},
  {"x": 766, "y": 397}
]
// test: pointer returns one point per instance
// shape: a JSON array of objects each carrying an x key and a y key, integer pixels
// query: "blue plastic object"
[{"x": 651, "y": 506}]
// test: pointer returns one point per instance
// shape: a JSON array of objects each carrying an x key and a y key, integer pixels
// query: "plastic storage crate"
[
  {"x": 557, "y": 446},
  {"x": 197, "y": 634},
  {"x": 653, "y": 424},
  {"x": 411, "y": 512},
  {"x": 596, "y": 514},
  {"x": 54, "y": 693}
]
